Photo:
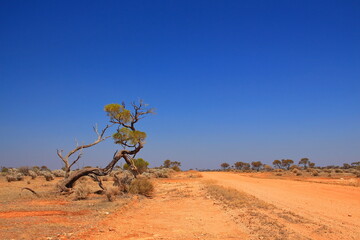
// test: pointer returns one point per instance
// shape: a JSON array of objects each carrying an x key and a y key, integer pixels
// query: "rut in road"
[{"x": 178, "y": 210}]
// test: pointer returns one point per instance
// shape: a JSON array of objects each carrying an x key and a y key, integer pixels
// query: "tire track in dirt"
[
  {"x": 310, "y": 210},
  {"x": 178, "y": 210}
]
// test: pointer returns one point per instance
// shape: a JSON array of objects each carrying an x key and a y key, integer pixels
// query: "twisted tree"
[
  {"x": 66, "y": 158},
  {"x": 127, "y": 136}
]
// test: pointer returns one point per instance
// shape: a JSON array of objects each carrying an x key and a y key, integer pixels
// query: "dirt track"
[
  {"x": 335, "y": 208},
  {"x": 182, "y": 209}
]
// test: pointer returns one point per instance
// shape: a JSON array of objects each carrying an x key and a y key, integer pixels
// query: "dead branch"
[{"x": 29, "y": 189}]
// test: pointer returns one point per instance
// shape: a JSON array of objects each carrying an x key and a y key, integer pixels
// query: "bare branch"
[{"x": 77, "y": 159}]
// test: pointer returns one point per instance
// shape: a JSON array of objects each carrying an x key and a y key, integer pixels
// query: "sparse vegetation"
[
  {"x": 141, "y": 186},
  {"x": 82, "y": 191}
]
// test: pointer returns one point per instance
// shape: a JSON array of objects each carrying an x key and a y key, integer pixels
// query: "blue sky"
[{"x": 231, "y": 80}]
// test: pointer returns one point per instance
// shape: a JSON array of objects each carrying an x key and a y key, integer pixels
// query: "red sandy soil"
[
  {"x": 177, "y": 211},
  {"x": 181, "y": 208},
  {"x": 335, "y": 207}
]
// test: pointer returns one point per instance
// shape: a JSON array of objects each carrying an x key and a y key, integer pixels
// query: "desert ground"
[{"x": 189, "y": 205}]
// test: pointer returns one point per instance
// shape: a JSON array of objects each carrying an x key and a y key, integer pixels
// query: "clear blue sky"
[{"x": 231, "y": 80}]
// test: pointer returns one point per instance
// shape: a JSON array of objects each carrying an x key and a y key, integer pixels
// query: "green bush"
[{"x": 140, "y": 163}]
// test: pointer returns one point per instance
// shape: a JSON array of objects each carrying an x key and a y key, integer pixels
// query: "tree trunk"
[{"x": 68, "y": 183}]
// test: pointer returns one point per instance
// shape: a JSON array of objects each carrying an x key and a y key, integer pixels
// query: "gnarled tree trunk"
[{"x": 68, "y": 183}]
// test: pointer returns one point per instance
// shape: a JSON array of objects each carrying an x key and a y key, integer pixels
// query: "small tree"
[
  {"x": 267, "y": 167},
  {"x": 140, "y": 164},
  {"x": 311, "y": 164},
  {"x": 305, "y": 162},
  {"x": 127, "y": 136},
  {"x": 256, "y": 165},
  {"x": 225, "y": 166},
  {"x": 346, "y": 166},
  {"x": 167, "y": 163},
  {"x": 78, "y": 149},
  {"x": 277, "y": 163},
  {"x": 239, "y": 165},
  {"x": 170, "y": 164},
  {"x": 286, "y": 163}
]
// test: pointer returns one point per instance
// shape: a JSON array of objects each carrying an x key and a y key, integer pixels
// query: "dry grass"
[
  {"x": 263, "y": 220},
  {"x": 141, "y": 186},
  {"x": 82, "y": 191},
  {"x": 111, "y": 193},
  {"x": 234, "y": 198}
]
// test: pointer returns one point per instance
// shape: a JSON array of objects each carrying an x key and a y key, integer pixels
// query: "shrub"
[
  {"x": 298, "y": 174},
  {"x": 19, "y": 177},
  {"x": 141, "y": 186},
  {"x": 111, "y": 193},
  {"x": 293, "y": 167},
  {"x": 59, "y": 173},
  {"x": 4, "y": 170},
  {"x": 48, "y": 176},
  {"x": 24, "y": 170},
  {"x": 315, "y": 173},
  {"x": 338, "y": 171},
  {"x": 82, "y": 191},
  {"x": 176, "y": 168},
  {"x": 278, "y": 170},
  {"x": 32, "y": 174},
  {"x": 10, "y": 178},
  {"x": 278, "y": 174},
  {"x": 123, "y": 180},
  {"x": 140, "y": 164}
]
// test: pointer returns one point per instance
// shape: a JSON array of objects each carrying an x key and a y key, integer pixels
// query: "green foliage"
[
  {"x": 167, "y": 163},
  {"x": 118, "y": 113},
  {"x": 140, "y": 164},
  {"x": 170, "y": 164},
  {"x": 4, "y": 170},
  {"x": 125, "y": 135}
]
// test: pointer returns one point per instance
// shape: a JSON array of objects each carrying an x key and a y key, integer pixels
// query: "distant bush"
[
  {"x": 15, "y": 177},
  {"x": 58, "y": 173},
  {"x": 48, "y": 175},
  {"x": 141, "y": 186},
  {"x": 278, "y": 170},
  {"x": 24, "y": 170},
  {"x": 293, "y": 167},
  {"x": 11, "y": 178},
  {"x": 298, "y": 174},
  {"x": 32, "y": 174},
  {"x": 338, "y": 171},
  {"x": 159, "y": 173},
  {"x": 278, "y": 174}
]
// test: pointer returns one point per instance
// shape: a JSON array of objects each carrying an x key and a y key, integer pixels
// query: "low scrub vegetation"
[{"x": 141, "y": 186}]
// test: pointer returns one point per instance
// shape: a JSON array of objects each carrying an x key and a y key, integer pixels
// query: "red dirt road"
[
  {"x": 336, "y": 207},
  {"x": 179, "y": 210}
]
